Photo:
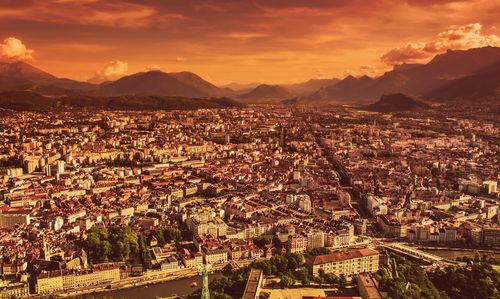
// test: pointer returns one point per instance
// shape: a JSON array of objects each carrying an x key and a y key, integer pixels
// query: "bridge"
[{"x": 415, "y": 253}]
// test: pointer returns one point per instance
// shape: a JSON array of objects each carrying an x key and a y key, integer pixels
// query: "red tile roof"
[{"x": 342, "y": 256}]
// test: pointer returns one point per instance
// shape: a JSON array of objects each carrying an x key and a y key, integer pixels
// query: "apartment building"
[{"x": 353, "y": 261}]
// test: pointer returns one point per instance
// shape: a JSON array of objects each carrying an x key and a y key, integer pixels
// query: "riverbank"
[
  {"x": 152, "y": 277},
  {"x": 453, "y": 253},
  {"x": 169, "y": 289}
]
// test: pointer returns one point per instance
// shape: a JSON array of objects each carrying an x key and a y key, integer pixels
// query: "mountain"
[
  {"x": 31, "y": 101},
  {"x": 417, "y": 80},
  {"x": 346, "y": 89},
  {"x": 25, "y": 100},
  {"x": 483, "y": 84},
  {"x": 396, "y": 102},
  {"x": 241, "y": 87},
  {"x": 266, "y": 92},
  {"x": 405, "y": 66},
  {"x": 160, "y": 83},
  {"x": 310, "y": 86},
  {"x": 22, "y": 76}
]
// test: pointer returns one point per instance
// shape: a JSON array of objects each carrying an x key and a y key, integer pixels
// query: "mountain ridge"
[{"x": 460, "y": 70}]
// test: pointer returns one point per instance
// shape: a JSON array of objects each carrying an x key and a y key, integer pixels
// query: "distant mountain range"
[
  {"x": 468, "y": 75},
  {"x": 417, "y": 80},
  {"x": 483, "y": 84}
]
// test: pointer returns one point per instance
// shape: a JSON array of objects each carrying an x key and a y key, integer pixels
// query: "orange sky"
[{"x": 239, "y": 40}]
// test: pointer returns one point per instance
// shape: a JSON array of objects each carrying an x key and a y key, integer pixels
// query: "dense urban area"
[{"x": 284, "y": 201}]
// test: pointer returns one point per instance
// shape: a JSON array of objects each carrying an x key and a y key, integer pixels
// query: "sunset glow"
[{"x": 240, "y": 41}]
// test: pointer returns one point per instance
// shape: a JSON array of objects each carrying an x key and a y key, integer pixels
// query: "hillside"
[
  {"x": 484, "y": 84},
  {"x": 159, "y": 83},
  {"x": 25, "y": 100},
  {"x": 22, "y": 76},
  {"x": 396, "y": 102},
  {"x": 264, "y": 91},
  {"x": 416, "y": 80},
  {"x": 30, "y": 101}
]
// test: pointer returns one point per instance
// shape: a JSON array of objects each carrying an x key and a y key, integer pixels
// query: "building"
[
  {"x": 490, "y": 187},
  {"x": 315, "y": 239},
  {"x": 350, "y": 262},
  {"x": 206, "y": 223},
  {"x": 215, "y": 255},
  {"x": 297, "y": 243},
  {"x": 14, "y": 172},
  {"x": 376, "y": 206},
  {"x": 301, "y": 201},
  {"x": 391, "y": 226},
  {"x": 60, "y": 166},
  {"x": 170, "y": 263},
  {"x": 53, "y": 281},
  {"x": 14, "y": 290},
  {"x": 367, "y": 287},
  {"x": 191, "y": 259},
  {"x": 360, "y": 226},
  {"x": 254, "y": 283},
  {"x": 491, "y": 236},
  {"x": 10, "y": 217}
]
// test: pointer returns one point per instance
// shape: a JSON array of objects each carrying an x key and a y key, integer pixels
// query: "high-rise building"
[
  {"x": 301, "y": 201},
  {"x": 315, "y": 239},
  {"x": 48, "y": 170},
  {"x": 60, "y": 166},
  {"x": 490, "y": 186}
]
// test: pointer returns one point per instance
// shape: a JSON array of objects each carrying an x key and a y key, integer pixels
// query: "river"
[
  {"x": 180, "y": 287},
  {"x": 453, "y": 254}
]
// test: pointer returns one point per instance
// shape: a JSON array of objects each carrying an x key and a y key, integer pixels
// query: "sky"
[{"x": 271, "y": 41}]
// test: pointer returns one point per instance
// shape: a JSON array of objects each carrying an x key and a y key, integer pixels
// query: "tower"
[{"x": 205, "y": 291}]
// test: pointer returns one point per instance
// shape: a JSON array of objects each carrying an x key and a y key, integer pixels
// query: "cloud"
[
  {"x": 112, "y": 71},
  {"x": 110, "y": 13},
  {"x": 458, "y": 38},
  {"x": 14, "y": 48},
  {"x": 154, "y": 67}
]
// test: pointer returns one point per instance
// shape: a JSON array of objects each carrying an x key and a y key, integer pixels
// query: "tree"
[
  {"x": 280, "y": 262},
  {"x": 144, "y": 253},
  {"x": 319, "y": 280},
  {"x": 332, "y": 279},
  {"x": 318, "y": 251},
  {"x": 264, "y": 265},
  {"x": 261, "y": 242},
  {"x": 286, "y": 281},
  {"x": 172, "y": 235},
  {"x": 303, "y": 276},
  {"x": 159, "y": 235},
  {"x": 477, "y": 280},
  {"x": 411, "y": 281}
]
